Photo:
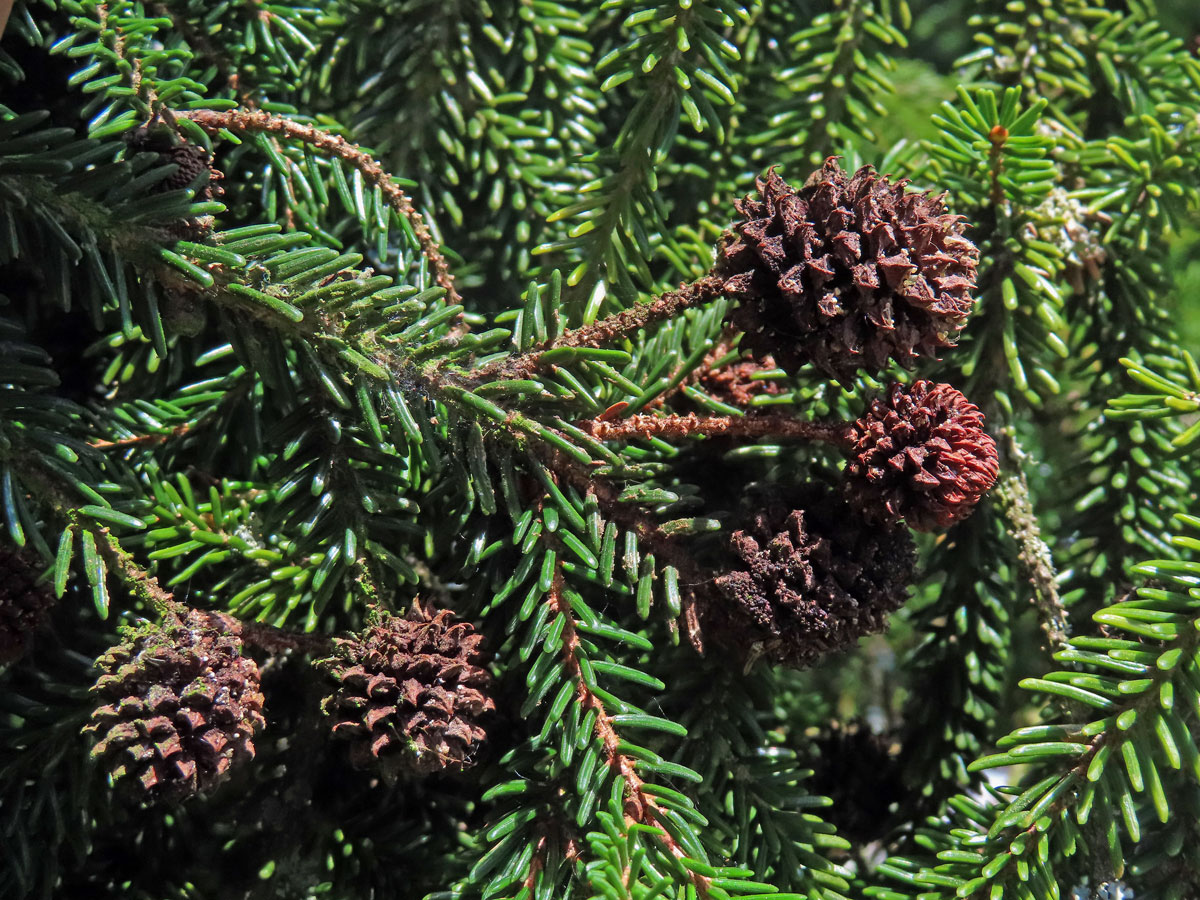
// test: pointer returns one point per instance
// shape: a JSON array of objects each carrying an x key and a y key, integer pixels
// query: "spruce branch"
[
  {"x": 140, "y": 582},
  {"x": 384, "y": 363},
  {"x": 722, "y": 349},
  {"x": 836, "y": 76},
  {"x": 673, "y": 54},
  {"x": 227, "y": 285},
  {"x": 606, "y": 331},
  {"x": 670, "y": 549},
  {"x": 52, "y": 491},
  {"x": 146, "y": 586},
  {"x": 1061, "y": 795},
  {"x": 640, "y": 806},
  {"x": 1118, "y": 679},
  {"x": 634, "y": 517},
  {"x": 197, "y": 396},
  {"x": 734, "y": 727},
  {"x": 204, "y": 47},
  {"x": 132, "y": 70},
  {"x": 259, "y": 122}
]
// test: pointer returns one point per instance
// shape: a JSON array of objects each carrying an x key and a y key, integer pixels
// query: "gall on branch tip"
[
  {"x": 920, "y": 453},
  {"x": 806, "y": 575},
  {"x": 180, "y": 706},
  {"x": 847, "y": 272},
  {"x": 410, "y": 698}
]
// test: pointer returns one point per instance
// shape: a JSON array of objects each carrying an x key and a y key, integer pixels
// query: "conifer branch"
[
  {"x": 639, "y": 805},
  {"x": 146, "y": 587},
  {"x": 631, "y": 516},
  {"x": 543, "y": 480},
  {"x": 204, "y": 47},
  {"x": 674, "y": 51},
  {"x": 837, "y": 77},
  {"x": 723, "y": 347},
  {"x": 52, "y": 491},
  {"x": 607, "y": 330},
  {"x": 1067, "y": 788},
  {"x": 120, "y": 561},
  {"x": 258, "y": 122}
]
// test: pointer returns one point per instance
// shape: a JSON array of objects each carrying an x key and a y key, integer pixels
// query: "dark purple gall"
[
  {"x": 847, "y": 272},
  {"x": 807, "y": 575}
]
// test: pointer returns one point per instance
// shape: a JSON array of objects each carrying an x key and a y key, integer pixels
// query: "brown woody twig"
[
  {"x": 692, "y": 425},
  {"x": 1012, "y": 490},
  {"x": 603, "y": 332},
  {"x": 335, "y": 145},
  {"x": 640, "y": 806}
]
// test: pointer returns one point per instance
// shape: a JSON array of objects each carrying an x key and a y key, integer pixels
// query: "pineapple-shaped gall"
[
  {"x": 846, "y": 272},
  {"x": 920, "y": 454},
  {"x": 808, "y": 576},
  {"x": 410, "y": 697},
  {"x": 181, "y": 706},
  {"x": 23, "y": 603}
]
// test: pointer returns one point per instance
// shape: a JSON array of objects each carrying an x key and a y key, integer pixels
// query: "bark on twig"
[{"x": 335, "y": 145}]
